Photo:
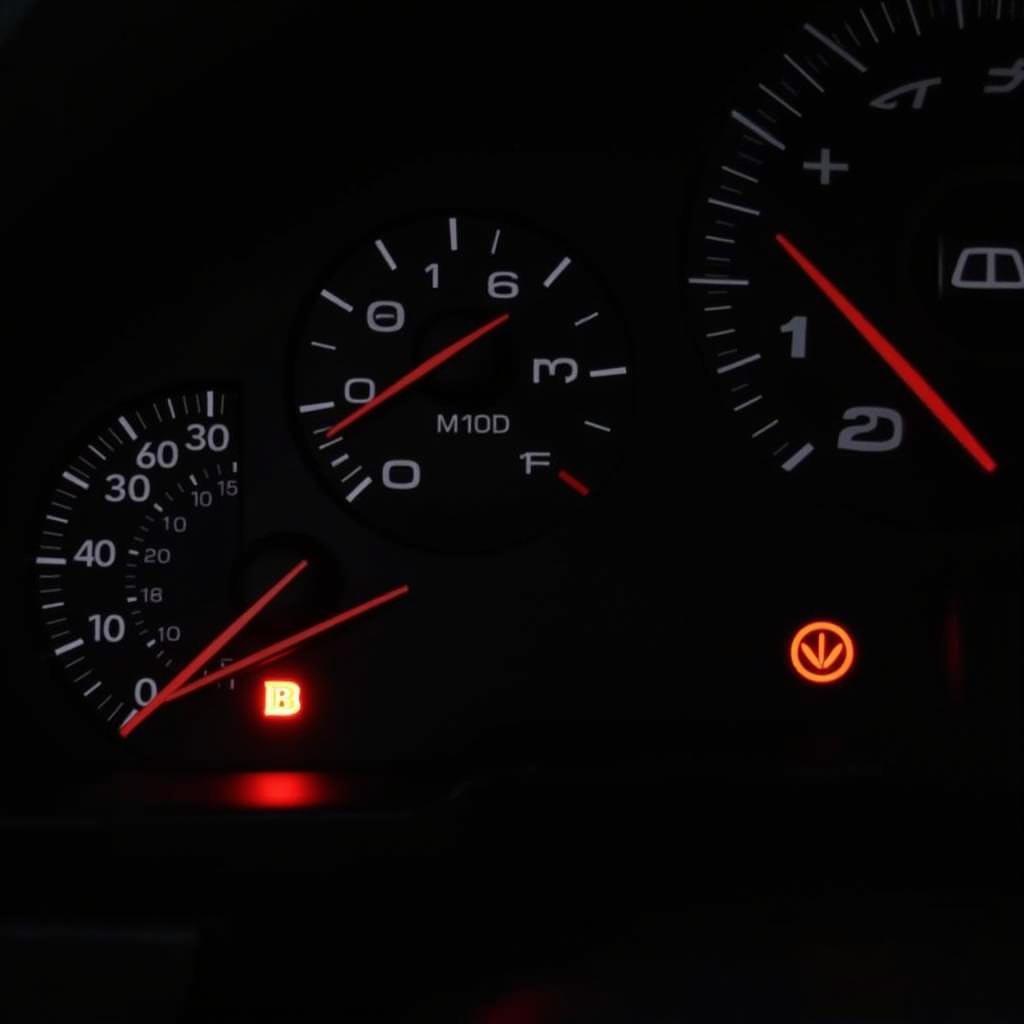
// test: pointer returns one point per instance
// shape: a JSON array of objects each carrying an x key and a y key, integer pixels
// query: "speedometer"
[
  {"x": 150, "y": 590},
  {"x": 148, "y": 499}
]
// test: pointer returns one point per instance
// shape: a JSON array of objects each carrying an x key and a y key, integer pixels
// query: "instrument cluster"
[{"x": 705, "y": 447}]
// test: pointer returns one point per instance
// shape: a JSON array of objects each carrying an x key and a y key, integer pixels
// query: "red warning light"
[
  {"x": 282, "y": 698},
  {"x": 822, "y": 652}
]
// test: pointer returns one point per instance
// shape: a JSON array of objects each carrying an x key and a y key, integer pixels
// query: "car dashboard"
[{"x": 510, "y": 519}]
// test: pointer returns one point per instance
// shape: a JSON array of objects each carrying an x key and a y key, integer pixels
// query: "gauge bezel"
[{"x": 556, "y": 524}]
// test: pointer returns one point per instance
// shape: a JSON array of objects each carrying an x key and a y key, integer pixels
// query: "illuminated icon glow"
[
  {"x": 822, "y": 652},
  {"x": 282, "y": 698}
]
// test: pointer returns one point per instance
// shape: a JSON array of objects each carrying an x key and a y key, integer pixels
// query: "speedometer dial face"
[
  {"x": 150, "y": 592},
  {"x": 139, "y": 536},
  {"x": 462, "y": 383},
  {"x": 857, "y": 273}
]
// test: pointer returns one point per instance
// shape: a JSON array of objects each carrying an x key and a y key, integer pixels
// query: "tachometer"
[
  {"x": 857, "y": 275},
  {"x": 462, "y": 382}
]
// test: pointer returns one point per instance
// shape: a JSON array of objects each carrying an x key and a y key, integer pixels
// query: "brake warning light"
[{"x": 282, "y": 698}]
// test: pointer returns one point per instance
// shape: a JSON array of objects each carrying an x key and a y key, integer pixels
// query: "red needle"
[
  {"x": 211, "y": 649},
  {"x": 900, "y": 365},
  {"x": 427, "y": 366},
  {"x": 289, "y": 643}
]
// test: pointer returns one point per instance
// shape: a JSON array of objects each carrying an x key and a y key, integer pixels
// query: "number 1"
[{"x": 798, "y": 328}]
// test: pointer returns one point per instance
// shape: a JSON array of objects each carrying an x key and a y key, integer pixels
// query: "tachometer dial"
[
  {"x": 462, "y": 382},
  {"x": 857, "y": 275}
]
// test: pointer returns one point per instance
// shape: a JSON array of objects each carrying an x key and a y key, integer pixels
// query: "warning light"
[
  {"x": 822, "y": 652},
  {"x": 281, "y": 698}
]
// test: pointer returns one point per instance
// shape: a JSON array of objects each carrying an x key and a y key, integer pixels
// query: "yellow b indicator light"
[
  {"x": 282, "y": 698},
  {"x": 822, "y": 652}
]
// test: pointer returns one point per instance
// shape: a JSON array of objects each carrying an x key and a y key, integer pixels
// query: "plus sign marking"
[{"x": 826, "y": 166}]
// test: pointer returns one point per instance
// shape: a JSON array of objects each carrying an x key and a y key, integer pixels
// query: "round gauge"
[
  {"x": 461, "y": 382},
  {"x": 149, "y": 592},
  {"x": 857, "y": 270},
  {"x": 147, "y": 501}
]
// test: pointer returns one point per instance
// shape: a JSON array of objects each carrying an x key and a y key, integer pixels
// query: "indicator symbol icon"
[
  {"x": 281, "y": 698},
  {"x": 990, "y": 269},
  {"x": 822, "y": 652}
]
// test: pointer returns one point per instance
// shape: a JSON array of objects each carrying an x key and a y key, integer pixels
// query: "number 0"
[
  {"x": 145, "y": 691},
  {"x": 401, "y": 475}
]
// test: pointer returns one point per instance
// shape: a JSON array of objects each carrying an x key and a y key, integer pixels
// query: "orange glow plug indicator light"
[
  {"x": 282, "y": 698},
  {"x": 822, "y": 652}
]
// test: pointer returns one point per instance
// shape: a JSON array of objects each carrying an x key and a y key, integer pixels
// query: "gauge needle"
[
  {"x": 896, "y": 361},
  {"x": 180, "y": 686},
  {"x": 214, "y": 647},
  {"x": 427, "y": 366},
  {"x": 289, "y": 643}
]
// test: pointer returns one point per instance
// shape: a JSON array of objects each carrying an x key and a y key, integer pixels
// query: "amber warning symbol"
[{"x": 822, "y": 652}]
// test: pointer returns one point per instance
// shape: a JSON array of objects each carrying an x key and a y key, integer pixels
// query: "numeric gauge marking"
[
  {"x": 151, "y": 494},
  {"x": 867, "y": 189},
  {"x": 469, "y": 389}
]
